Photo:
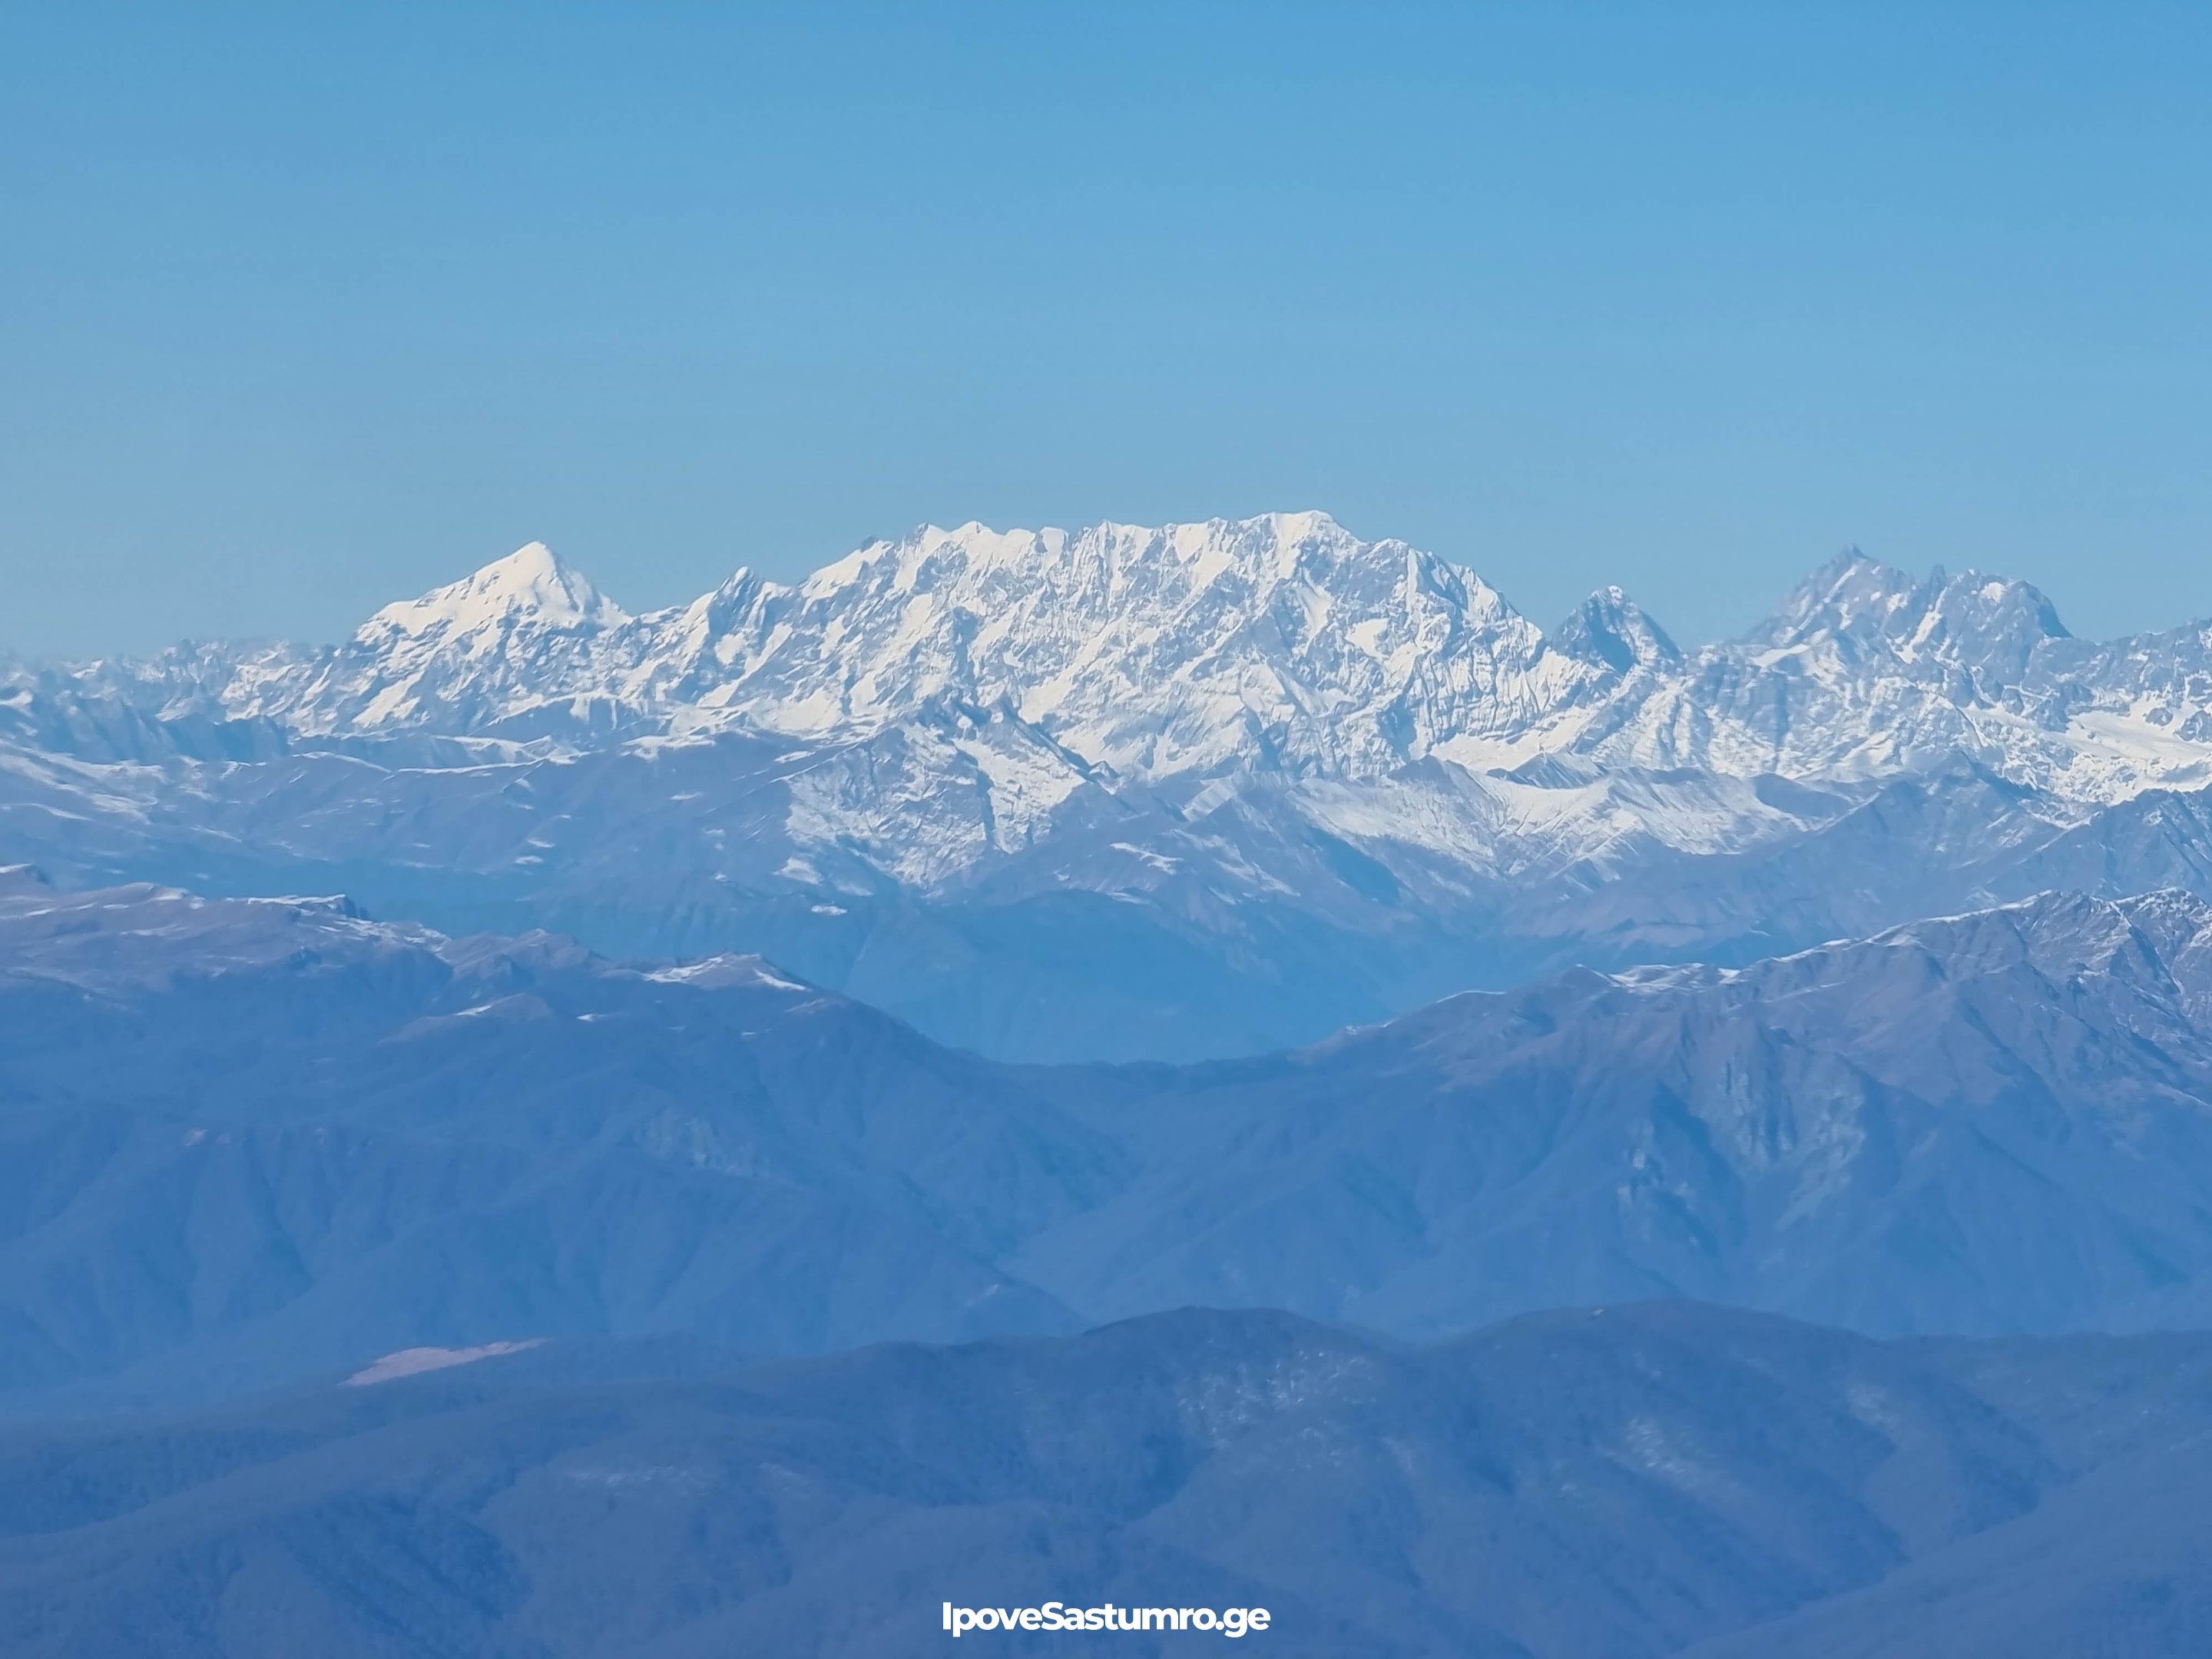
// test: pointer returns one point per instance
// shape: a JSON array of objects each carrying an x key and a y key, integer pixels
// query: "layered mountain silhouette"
[
  {"x": 1009, "y": 1070},
  {"x": 252, "y": 1139}
]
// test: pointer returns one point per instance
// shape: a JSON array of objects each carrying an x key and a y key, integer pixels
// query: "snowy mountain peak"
[
  {"x": 1612, "y": 629},
  {"x": 1281, "y": 641},
  {"x": 1851, "y": 596},
  {"x": 501, "y": 644},
  {"x": 1859, "y": 599},
  {"x": 1976, "y": 606},
  {"x": 531, "y": 585}
]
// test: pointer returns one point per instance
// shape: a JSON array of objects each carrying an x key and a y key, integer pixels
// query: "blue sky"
[{"x": 310, "y": 307}]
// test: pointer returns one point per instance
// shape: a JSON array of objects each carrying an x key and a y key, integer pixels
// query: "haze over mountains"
[
  {"x": 252, "y": 1140},
  {"x": 1127, "y": 793},
  {"x": 489, "y": 1256},
  {"x": 387, "y": 1294}
]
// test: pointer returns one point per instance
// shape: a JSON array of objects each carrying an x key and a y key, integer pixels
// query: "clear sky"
[{"x": 303, "y": 308}]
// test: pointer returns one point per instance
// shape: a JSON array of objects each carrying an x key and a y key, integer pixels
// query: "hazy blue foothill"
[
  {"x": 256, "y": 1139},
  {"x": 1650, "y": 1479}
]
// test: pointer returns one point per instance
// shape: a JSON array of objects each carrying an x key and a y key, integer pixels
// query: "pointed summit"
[
  {"x": 1973, "y": 619},
  {"x": 1851, "y": 595},
  {"x": 1612, "y": 629},
  {"x": 531, "y": 586}
]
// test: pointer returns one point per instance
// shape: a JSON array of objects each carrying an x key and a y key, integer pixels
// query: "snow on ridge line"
[
  {"x": 414, "y": 1362},
  {"x": 727, "y": 969},
  {"x": 1281, "y": 641},
  {"x": 532, "y": 583}
]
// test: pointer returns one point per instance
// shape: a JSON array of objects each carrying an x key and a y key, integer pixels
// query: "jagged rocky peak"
[
  {"x": 532, "y": 585},
  {"x": 1851, "y": 596},
  {"x": 1978, "y": 620},
  {"x": 1862, "y": 600},
  {"x": 1612, "y": 629}
]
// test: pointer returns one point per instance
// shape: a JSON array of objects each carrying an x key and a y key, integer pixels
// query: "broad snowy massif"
[{"x": 1487, "y": 1141}]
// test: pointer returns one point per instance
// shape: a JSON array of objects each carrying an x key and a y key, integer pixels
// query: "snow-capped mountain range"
[
  {"x": 1281, "y": 643},
  {"x": 1139, "y": 792}
]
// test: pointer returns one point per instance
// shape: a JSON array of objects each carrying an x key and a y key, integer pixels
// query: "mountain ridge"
[
  {"x": 249, "y": 1136},
  {"x": 1281, "y": 641},
  {"x": 1126, "y": 793}
]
